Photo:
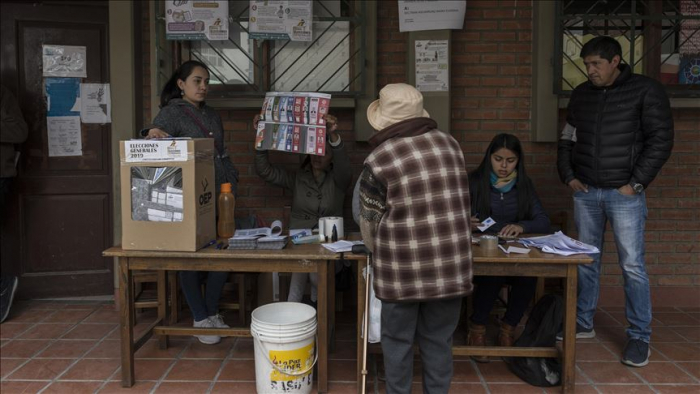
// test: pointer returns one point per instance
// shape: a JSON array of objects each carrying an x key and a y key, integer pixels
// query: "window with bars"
[
  {"x": 333, "y": 62},
  {"x": 659, "y": 38}
]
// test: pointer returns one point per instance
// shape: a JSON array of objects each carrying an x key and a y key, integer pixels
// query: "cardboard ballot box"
[{"x": 168, "y": 192}]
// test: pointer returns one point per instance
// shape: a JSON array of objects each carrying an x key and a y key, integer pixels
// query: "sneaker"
[
  {"x": 636, "y": 353},
  {"x": 207, "y": 339},
  {"x": 8, "y": 287},
  {"x": 581, "y": 333},
  {"x": 218, "y": 321}
]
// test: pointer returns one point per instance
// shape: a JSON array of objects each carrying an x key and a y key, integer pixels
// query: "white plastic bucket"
[{"x": 284, "y": 336}]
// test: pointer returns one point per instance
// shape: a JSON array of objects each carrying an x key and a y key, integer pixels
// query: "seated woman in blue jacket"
[{"x": 501, "y": 189}]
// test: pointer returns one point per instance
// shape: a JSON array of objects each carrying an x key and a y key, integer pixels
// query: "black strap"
[{"x": 205, "y": 132}]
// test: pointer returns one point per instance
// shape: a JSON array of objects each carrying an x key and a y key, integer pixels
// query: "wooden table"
[
  {"x": 497, "y": 263},
  {"x": 293, "y": 258}
]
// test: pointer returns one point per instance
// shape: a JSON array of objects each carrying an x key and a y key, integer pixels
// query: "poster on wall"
[
  {"x": 293, "y": 122},
  {"x": 417, "y": 15},
  {"x": 432, "y": 66},
  {"x": 95, "y": 103},
  {"x": 64, "y": 61},
  {"x": 281, "y": 20},
  {"x": 689, "y": 50},
  {"x": 64, "y": 136},
  {"x": 62, "y": 96},
  {"x": 196, "y": 20}
]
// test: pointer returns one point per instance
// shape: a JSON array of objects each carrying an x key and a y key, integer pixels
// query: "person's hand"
[
  {"x": 511, "y": 230},
  {"x": 332, "y": 126},
  {"x": 256, "y": 119},
  {"x": 475, "y": 222},
  {"x": 627, "y": 190},
  {"x": 156, "y": 133},
  {"x": 578, "y": 186}
]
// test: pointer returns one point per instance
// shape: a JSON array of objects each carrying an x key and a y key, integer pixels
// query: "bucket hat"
[{"x": 397, "y": 102}]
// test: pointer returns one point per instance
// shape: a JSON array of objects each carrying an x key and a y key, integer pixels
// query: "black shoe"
[
  {"x": 581, "y": 333},
  {"x": 8, "y": 287},
  {"x": 636, "y": 353}
]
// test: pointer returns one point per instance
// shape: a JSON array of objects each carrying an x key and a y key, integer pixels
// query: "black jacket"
[{"x": 618, "y": 134}]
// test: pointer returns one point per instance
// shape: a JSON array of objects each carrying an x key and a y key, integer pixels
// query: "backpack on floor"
[{"x": 540, "y": 331}]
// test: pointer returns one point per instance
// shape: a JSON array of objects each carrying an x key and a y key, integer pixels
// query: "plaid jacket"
[{"x": 415, "y": 209}]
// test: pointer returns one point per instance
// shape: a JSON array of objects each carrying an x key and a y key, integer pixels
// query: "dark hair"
[
  {"x": 481, "y": 177},
  {"x": 171, "y": 90},
  {"x": 604, "y": 46}
]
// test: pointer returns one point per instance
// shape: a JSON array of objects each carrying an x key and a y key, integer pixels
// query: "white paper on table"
[
  {"x": 95, "y": 103},
  {"x": 64, "y": 134},
  {"x": 514, "y": 249},
  {"x": 560, "y": 244},
  {"x": 342, "y": 246}
]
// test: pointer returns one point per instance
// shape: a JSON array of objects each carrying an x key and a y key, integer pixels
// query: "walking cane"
[{"x": 361, "y": 249}]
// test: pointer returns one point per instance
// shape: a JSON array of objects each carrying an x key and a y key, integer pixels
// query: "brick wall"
[{"x": 491, "y": 87}]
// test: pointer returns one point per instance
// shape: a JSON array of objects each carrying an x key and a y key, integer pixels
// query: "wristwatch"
[{"x": 637, "y": 187}]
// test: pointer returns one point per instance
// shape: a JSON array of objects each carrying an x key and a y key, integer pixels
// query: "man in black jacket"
[{"x": 618, "y": 135}]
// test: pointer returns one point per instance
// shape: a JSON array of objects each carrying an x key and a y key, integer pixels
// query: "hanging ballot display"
[{"x": 293, "y": 122}]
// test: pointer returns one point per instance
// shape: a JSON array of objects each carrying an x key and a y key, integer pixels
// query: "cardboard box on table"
[{"x": 198, "y": 225}]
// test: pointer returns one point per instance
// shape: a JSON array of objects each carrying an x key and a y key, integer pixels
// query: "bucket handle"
[{"x": 267, "y": 358}]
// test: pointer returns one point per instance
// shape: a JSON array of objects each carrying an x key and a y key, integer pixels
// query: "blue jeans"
[
  {"x": 627, "y": 215},
  {"x": 191, "y": 284}
]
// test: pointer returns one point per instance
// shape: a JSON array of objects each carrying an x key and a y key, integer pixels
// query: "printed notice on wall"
[
  {"x": 293, "y": 122},
  {"x": 196, "y": 20},
  {"x": 281, "y": 20},
  {"x": 95, "y": 103},
  {"x": 64, "y": 61},
  {"x": 64, "y": 136},
  {"x": 417, "y": 15},
  {"x": 62, "y": 96},
  {"x": 432, "y": 66}
]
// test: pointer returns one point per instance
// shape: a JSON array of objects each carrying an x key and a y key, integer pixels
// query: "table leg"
[
  {"x": 569, "y": 344},
  {"x": 331, "y": 305},
  {"x": 361, "y": 290},
  {"x": 322, "y": 345},
  {"x": 162, "y": 306},
  {"x": 126, "y": 319},
  {"x": 174, "y": 303}
]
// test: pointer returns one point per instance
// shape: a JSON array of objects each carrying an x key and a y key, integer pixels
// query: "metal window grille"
[
  {"x": 240, "y": 67},
  {"x": 660, "y": 39}
]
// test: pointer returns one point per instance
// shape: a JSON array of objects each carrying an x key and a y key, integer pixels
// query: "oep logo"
[{"x": 205, "y": 197}]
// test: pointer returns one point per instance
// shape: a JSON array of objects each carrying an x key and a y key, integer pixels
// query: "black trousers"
[{"x": 487, "y": 289}]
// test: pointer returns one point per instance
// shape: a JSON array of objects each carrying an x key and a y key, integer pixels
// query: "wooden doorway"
[{"x": 61, "y": 208}]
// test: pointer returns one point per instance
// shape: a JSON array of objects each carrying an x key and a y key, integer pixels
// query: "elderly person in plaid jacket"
[{"x": 414, "y": 216}]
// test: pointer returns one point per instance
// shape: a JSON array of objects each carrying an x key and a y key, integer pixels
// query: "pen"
[{"x": 212, "y": 242}]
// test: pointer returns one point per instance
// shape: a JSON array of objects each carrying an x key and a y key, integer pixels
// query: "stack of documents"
[
  {"x": 560, "y": 244},
  {"x": 342, "y": 246}
]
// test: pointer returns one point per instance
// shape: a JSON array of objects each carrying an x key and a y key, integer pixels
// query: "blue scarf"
[{"x": 503, "y": 185}]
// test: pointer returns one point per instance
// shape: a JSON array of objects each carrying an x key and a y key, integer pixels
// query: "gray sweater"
[{"x": 175, "y": 120}]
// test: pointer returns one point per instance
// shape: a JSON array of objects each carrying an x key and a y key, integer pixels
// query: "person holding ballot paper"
[
  {"x": 184, "y": 113},
  {"x": 503, "y": 194},
  {"x": 318, "y": 188}
]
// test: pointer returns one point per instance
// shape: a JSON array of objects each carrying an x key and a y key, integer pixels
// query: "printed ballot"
[{"x": 293, "y": 122}]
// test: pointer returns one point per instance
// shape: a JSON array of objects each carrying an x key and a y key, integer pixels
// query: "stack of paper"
[
  {"x": 342, "y": 246},
  {"x": 560, "y": 244},
  {"x": 259, "y": 238}
]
